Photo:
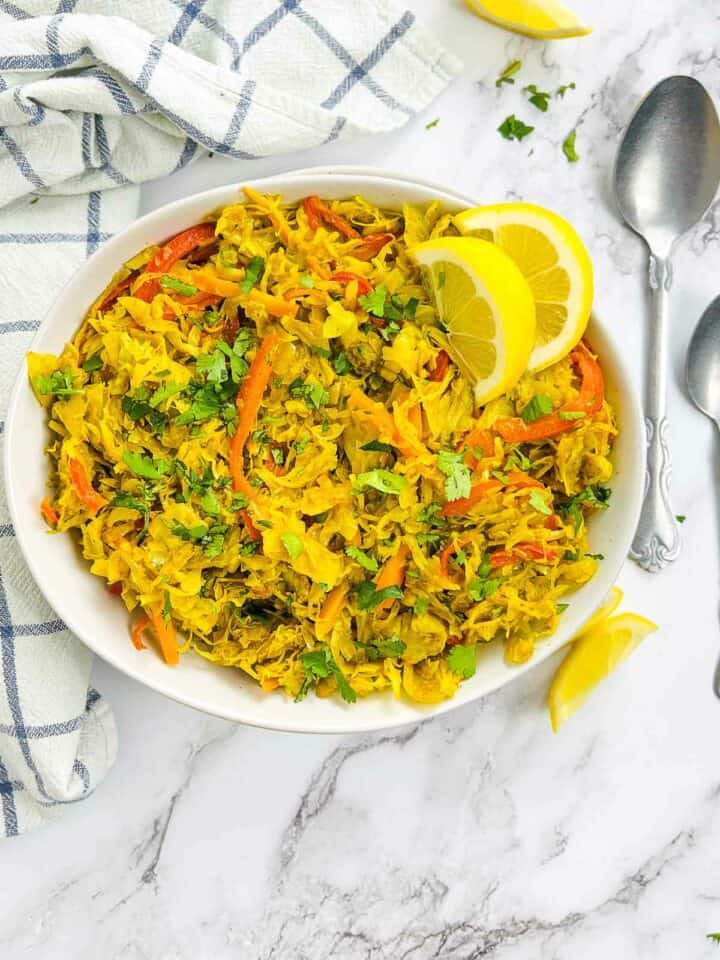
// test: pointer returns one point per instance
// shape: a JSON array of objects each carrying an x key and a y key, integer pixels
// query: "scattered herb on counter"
[
  {"x": 568, "y": 147},
  {"x": 461, "y": 660},
  {"x": 513, "y": 129},
  {"x": 595, "y": 556},
  {"x": 563, "y": 88},
  {"x": 433, "y": 123},
  {"x": 507, "y": 76},
  {"x": 536, "y": 408},
  {"x": 359, "y": 556},
  {"x": 561, "y": 607},
  {"x": 713, "y": 936},
  {"x": 538, "y": 98},
  {"x": 253, "y": 274},
  {"x": 178, "y": 286},
  {"x": 680, "y": 517},
  {"x": 457, "y": 474}
]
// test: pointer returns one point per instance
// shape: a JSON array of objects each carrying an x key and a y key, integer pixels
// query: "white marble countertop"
[{"x": 479, "y": 834}]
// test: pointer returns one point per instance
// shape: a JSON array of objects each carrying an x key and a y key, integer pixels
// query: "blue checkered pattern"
[{"x": 92, "y": 103}]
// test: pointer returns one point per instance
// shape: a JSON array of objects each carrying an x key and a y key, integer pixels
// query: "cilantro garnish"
[
  {"x": 239, "y": 502},
  {"x": 210, "y": 504},
  {"x": 314, "y": 395},
  {"x": 570, "y": 414},
  {"x": 60, "y": 383},
  {"x": 421, "y": 606},
  {"x": 538, "y": 501},
  {"x": 377, "y": 446},
  {"x": 594, "y": 496},
  {"x": 461, "y": 659},
  {"x": 293, "y": 544},
  {"x": 568, "y": 147},
  {"x": 93, "y": 363},
  {"x": 381, "y": 647},
  {"x": 383, "y": 480},
  {"x": 178, "y": 286},
  {"x": 457, "y": 473},
  {"x": 167, "y": 608},
  {"x": 307, "y": 281},
  {"x": 211, "y": 539},
  {"x": 319, "y": 664},
  {"x": 508, "y": 73},
  {"x": 536, "y": 408},
  {"x": 359, "y": 556},
  {"x": 369, "y": 597},
  {"x": 538, "y": 98},
  {"x": 253, "y": 274},
  {"x": 147, "y": 467},
  {"x": 513, "y": 129},
  {"x": 341, "y": 365}
]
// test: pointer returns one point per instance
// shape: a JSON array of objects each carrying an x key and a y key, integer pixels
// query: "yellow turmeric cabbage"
[{"x": 368, "y": 527}]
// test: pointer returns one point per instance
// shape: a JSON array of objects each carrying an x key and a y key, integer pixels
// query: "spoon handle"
[{"x": 657, "y": 540}]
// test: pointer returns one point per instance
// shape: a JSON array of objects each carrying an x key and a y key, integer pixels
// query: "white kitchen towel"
[{"x": 97, "y": 96}]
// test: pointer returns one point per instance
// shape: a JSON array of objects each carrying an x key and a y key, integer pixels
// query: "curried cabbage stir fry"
[{"x": 265, "y": 449}]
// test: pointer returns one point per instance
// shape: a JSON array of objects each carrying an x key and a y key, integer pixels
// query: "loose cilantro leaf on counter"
[
  {"x": 563, "y": 88},
  {"x": 359, "y": 556},
  {"x": 253, "y": 274},
  {"x": 433, "y": 123},
  {"x": 383, "y": 480},
  {"x": 457, "y": 473},
  {"x": 508, "y": 73},
  {"x": 513, "y": 129},
  {"x": 680, "y": 517},
  {"x": 178, "y": 286},
  {"x": 536, "y": 408},
  {"x": 60, "y": 383},
  {"x": 318, "y": 665},
  {"x": 461, "y": 659},
  {"x": 568, "y": 147},
  {"x": 538, "y": 98}
]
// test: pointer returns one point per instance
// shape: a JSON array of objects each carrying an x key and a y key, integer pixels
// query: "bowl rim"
[{"x": 213, "y": 195}]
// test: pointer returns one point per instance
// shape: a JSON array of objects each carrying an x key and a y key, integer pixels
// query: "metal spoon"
[
  {"x": 666, "y": 175},
  {"x": 703, "y": 381}
]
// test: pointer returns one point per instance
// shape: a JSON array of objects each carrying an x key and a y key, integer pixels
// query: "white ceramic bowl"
[{"x": 101, "y": 621}]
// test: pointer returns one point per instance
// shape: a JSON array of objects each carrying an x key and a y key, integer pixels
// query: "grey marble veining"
[{"x": 479, "y": 834}]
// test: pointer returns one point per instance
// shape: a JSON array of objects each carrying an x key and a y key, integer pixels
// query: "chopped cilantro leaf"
[
  {"x": 461, "y": 660},
  {"x": 421, "y": 606},
  {"x": 433, "y": 123},
  {"x": 508, "y": 73},
  {"x": 213, "y": 366},
  {"x": 253, "y": 274},
  {"x": 513, "y": 129},
  {"x": 307, "y": 281},
  {"x": 680, "y": 517},
  {"x": 318, "y": 665},
  {"x": 145, "y": 466},
  {"x": 563, "y": 88},
  {"x": 537, "y": 98},
  {"x": 595, "y": 556},
  {"x": 239, "y": 502},
  {"x": 561, "y": 607},
  {"x": 313, "y": 394},
  {"x": 93, "y": 363},
  {"x": 457, "y": 473},
  {"x": 570, "y": 414},
  {"x": 293, "y": 544},
  {"x": 60, "y": 383},
  {"x": 568, "y": 147},
  {"x": 341, "y": 365},
  {"x": 383, "y": 480},
  {"x": 377, "y": 446},
  {"x": 369, "y": 597},
  {"x": 167, "y": 608},
  {"x": 536, "y": 408},
  {"x": 381, "y": 647},
  {"x": 538, "y": 501},
  {"x": 359, "y": 556},
  {"x": 210, "y": 504},
  {"x": 178, "y": 286},
  {"x": 374, "y": 301}
]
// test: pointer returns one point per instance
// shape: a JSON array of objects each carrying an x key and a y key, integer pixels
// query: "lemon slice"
[
  {"x": 545, "y": 19},
  {"x": 609, "y": 605},
  {"x": 486, "y": 307},
  {"x": 555, "y": 263},
  {"x": 593, "y": 657}
]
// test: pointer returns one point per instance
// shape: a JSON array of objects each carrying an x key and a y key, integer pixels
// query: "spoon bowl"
[
  {"x": 703, "y": 363},
  {"x": 666, "y": 174}
]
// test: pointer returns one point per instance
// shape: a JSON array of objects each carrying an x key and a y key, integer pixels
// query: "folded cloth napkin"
[{"x": 100, "y": 94}]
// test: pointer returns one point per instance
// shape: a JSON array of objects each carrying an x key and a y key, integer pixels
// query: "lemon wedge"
[
  {"x": 606, "y": 609},
  {"x": 555, "y": 263},
  {"x": 593, "y": 656},
  {"x": 487, "y": 309},
  {"x": 544, "y": 19}
]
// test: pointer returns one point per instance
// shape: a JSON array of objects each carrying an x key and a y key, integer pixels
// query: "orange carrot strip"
[
  {"x": 392, "y": 573},
  {"x": 415, "y": 418},
  {"x": 92, "y": 500},
  {"x": 447, "y": 553},
  {"x": 137, "y": 631},
  {"x": 317, "y": 210},
  {"x": 330, "y": 610},
  {"x": 516, "y": 478},
  {"x": 249, "y": 525},
  {"x": 456, "y": 508},
  {"x": 346, "y": 276},
  {"x": 48, "y": 511},
  {"x": 165, "y": 633},
  {"x": 275, "y": 306}
]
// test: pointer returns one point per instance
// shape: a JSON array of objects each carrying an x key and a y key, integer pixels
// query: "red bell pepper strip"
[
  {"x": 137, "y": 632},
  {"x": 174, "y": 250},
  {"x": 117, "y": 290},
  {"x": 448, "y": 552},
  {"x": 588, "y": 401},
  {"x": 441, "y": 367},
  {"x": 372, "y": 245},
  {"x": 346, "y": 276},
  {"x": 115, "y": 588}
]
